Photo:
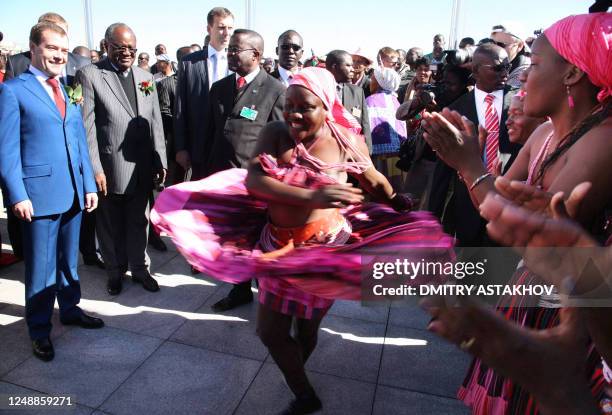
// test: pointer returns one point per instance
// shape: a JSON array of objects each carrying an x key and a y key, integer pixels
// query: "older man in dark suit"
[
  {"x": 195, "y": 76},
  {"x": 238, "y": 108},
  {"x": 450, "y": 199},
  {"x": 289, "y": 49},
  {"x": 127, "y": 148},
  {"x": 340, "y": 64},
  {"x": 15, "y": 66}
]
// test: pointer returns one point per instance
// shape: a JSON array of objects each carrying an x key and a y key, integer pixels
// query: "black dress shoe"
[
  {"x": 305, "y": 404},
  {"x": 84, "y": 321},
  {"x": 158, "y": 244},
  {"x": 230, "y": 302},
  {"x": 114, "y": 286},
  {"x": 147, "y": 281},
  {"x": 43, "y": 349},
  {"x": 94, "y": 261}
]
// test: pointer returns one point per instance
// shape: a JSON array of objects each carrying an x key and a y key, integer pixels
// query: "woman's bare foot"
[{"x": 550, "y": 363}]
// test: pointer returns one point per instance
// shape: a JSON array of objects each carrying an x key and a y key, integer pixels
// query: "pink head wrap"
[
  {"x": 585, "y": 40},
  {"x": 321, "y": 82}
]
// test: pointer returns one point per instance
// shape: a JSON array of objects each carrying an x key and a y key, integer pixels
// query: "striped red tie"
[
  {"x": 492, "y": 127},
  {"x": 58, "y": 97}
]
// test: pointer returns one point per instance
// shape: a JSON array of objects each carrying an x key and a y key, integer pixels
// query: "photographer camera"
[{"x": 416, "y": 156}]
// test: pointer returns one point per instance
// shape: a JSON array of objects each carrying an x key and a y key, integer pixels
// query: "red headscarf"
[
  {"x": 321, "y": 82},
  {"x": 585, "y": 40}
]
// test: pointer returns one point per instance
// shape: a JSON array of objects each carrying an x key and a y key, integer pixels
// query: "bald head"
[
  {"x": 488, "y": 51},
  {"x": 251, "y": 38}
]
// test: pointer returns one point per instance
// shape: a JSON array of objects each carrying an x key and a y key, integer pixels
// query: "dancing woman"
[{"x": 294, "y": 223}]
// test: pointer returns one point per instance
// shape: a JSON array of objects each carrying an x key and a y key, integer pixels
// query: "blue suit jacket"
[{"x": 39, "y": 151}]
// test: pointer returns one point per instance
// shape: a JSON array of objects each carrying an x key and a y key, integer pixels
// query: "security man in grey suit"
[
  {"x": 340, "y": 64},
  {"x": 239, "y": 106},
  {"x": 127, "y": 149},
  {"x": 195, "y": 76}
]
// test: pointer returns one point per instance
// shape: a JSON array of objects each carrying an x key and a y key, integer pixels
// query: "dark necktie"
[{"x": 57, "y": 96}]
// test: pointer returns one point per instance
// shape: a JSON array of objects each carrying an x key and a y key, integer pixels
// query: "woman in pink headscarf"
[
  {"x": 570, "y": 81},
  {"x": 295, "y": 223}
]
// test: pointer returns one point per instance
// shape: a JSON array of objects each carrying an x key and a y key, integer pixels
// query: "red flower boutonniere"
[{"x": 146, "y": 87}]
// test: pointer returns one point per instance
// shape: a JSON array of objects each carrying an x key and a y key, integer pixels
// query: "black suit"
[
  {"x": 353, "y": 99},
  {"x": 192, "y": 91},
  {"x": 231, "y": 137},
  {"x": 275, "y": 74},
  {"x": 15, "y": 66},
  {"x": 450, "y": 199}
]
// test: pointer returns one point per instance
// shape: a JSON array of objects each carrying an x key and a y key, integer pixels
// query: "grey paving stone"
[
  {"x": 348, "y": 348},
  {"x": 408, "y": 315},
  {"x": 12, "y": 288},
  {"x": 269, "y": 394},
  {"x": 14, "y": 391},
  {"x": 437, "y": 367},
  {"x": 89, "y": 364},
  {"x": 158, "y": 259},
  {"x": 391, "y": 401},
  {"x": 377, "y": 313},
  {"x": 181, "y": 379},
  {"x": 158, "y": 314},
  {"x": 16, "y": 343},
  {"x": 235, "y": 337}
]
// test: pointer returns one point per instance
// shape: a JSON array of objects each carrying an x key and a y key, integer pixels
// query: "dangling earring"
[{"x": 570, "y": 98}]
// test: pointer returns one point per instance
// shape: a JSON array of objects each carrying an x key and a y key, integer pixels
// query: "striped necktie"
[{"x": 492, "y": 127}]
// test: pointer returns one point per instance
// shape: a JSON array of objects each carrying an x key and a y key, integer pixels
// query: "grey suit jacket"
[
  {"x": 353, "y": 99},
  {"x": 191, "y": 101},
  {"x": 18, "y": 64},
  {"x": 125, "y": 146},
  {"x": 232, "y": 136}
]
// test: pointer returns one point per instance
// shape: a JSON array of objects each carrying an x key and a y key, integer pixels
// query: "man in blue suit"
[{"x": 48, "y": 179}]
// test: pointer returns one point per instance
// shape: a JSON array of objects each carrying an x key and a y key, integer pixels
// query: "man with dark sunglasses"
[
  {"x": 290, "y": 49},
  {"x": 486, "y": 105}
]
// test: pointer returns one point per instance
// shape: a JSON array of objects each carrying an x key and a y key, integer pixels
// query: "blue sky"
[{"x": 324, "y": 24}]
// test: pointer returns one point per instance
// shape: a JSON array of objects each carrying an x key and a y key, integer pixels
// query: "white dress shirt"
[
  {"x": 222, "y": 69},
  {"x": 249, "y": 78},
  {"x": 284, "y": 75},
  {"x": 481, "y": 105},
  {"x": 42, "y": 78}
]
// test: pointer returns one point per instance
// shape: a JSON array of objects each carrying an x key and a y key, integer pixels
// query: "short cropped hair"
[
  {"x": 38, "y": 29},
  {"x": 217, "y": 12},
  {"x": 53, "y": 18}
]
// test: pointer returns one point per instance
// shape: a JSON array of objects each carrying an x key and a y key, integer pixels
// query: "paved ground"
[{"x": 167, "y": 353}]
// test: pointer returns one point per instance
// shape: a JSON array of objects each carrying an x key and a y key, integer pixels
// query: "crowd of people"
[{"x": 286, "y": 171}]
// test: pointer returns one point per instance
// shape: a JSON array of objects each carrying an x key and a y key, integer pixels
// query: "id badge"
[
  {"x": 356, "y": 112},
  {"x": 248, "y": 113}
]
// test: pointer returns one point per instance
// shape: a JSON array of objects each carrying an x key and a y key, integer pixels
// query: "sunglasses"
[
  {"x": 288, "y": 46},
  {"x": 131, "y": 51},
  {"x": 501, "y": 67}
]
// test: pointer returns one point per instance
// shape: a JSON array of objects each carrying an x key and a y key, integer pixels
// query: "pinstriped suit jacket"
[{"x": 124, "y": 145}]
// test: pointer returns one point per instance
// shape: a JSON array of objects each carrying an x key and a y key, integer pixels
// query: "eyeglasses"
[
  {"x": 142, "y": 58},
  {"x": 131, "y": 51},
  {"x": 288, "y": 46},
  {"x": 234, "y": 50},
  {"x": 501, "y": 67}
]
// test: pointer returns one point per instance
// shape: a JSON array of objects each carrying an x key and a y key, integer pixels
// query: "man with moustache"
[
  {"x": 239, "y": 106},
  {"x": 127, "y": 149},
  {"x": 195, "y": 76},
  {"x": 290, "y": 49},
  {"x": 340, "y": 64},
  {"x": 48, "y": 180}
]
